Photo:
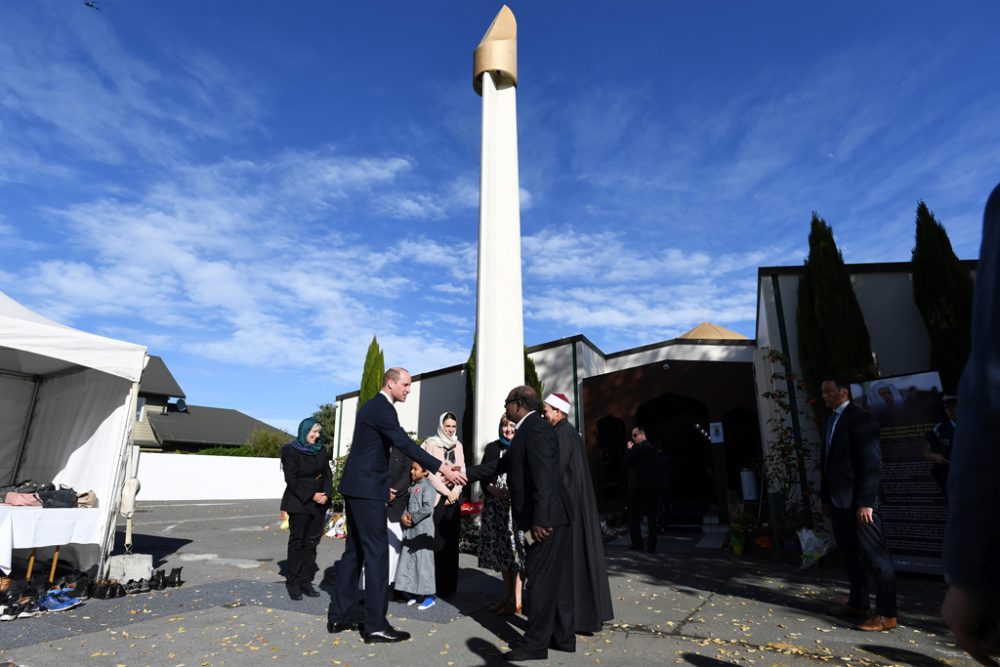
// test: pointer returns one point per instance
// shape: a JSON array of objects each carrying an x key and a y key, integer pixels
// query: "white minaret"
[{"x": 499, "y": 312}]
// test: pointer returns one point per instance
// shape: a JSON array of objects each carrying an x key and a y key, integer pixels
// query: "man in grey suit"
[
  {"x": 365, "y": 487},
  {"x": 852, "y": 474},
  {"x": 972, "y": 537}
]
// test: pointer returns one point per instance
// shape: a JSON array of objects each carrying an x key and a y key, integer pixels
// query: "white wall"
[{"x": 194, "y": 477}]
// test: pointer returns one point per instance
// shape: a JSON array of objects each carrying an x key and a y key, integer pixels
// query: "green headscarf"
[{"x": 301, "y": 444}]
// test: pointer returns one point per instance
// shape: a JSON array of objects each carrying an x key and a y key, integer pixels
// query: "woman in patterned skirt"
[{"x": 501, "y": 546}]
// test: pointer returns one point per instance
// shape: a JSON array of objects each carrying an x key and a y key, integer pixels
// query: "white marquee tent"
[{"x": 66, "y": 404}]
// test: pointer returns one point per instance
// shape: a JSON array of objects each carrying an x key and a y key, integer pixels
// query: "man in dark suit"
[
  {"x": 852, "y": 472},
  {"x": 972, "y": 539},
  {"x": 643, "y": 489},
  {"x": 365, "y": 488},
  {"x": 540, "y": 507}
]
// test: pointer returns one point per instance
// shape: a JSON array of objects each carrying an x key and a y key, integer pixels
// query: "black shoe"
[
  {"x": 636, "y": 547},
  {"x": 293, "y": 591},
  {"x": 308, "y": 590},
  {"x": 388, "y": 636},
  {"x": 521, "y": 653},
  {"x": 334, "y": 628},
  {"x": 565, "y": 648}
]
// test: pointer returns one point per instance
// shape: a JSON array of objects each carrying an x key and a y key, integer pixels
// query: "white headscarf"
[{"x": 443, "y": 440}]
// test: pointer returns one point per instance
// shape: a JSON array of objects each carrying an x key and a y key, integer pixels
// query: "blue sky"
[{"x": 254, "y": 189}]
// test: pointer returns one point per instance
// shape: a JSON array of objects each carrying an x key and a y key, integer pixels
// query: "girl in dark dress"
[
  {"x": 308, "y": 488},
  {"x": 501, "y": 547}
]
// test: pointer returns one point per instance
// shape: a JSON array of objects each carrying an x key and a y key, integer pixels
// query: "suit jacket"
[
  {"x": 399, "y": 479},
  {"x": 537, "y": 494},
  {"x": 852, "y": 463},
  {"x": 972, "y": 543},
  {"x": 305, "y": 475},
  {"x": 644, "y": 474},
  {"x": 366, "y": 473}
]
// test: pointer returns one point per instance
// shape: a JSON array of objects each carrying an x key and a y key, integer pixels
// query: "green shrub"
[{"x": 242, "y": 450}]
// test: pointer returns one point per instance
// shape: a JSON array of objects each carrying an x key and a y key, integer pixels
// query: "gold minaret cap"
[{"x": 497, "y": 52}]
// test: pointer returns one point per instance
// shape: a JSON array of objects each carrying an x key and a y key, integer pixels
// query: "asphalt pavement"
[{"x": 681, "y": 605}]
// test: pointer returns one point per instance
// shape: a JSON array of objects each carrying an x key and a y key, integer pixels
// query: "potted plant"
[{"x": 740, "y": 525}]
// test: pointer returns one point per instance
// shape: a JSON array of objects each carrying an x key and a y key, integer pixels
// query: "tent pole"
[
  {"x": 15, "y": 471},
  {"x": 123, "y": 458}
]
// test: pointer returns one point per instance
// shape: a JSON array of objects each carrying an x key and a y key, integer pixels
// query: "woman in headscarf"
[
  {"x": 501, "y": 547},
  {"x": 447, "y": 518},
  {"x": 308, "y": 488}
]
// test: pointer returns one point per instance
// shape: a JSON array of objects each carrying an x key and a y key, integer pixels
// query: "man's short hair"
[
  {"x": 393, "y": 374},
  {"x": 527, "y": 397},
  {"x": 839, "y": 380},
  {"x": 640, "y": 429}
]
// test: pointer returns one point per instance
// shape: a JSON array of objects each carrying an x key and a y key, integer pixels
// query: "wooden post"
[{"x": 55, "y": 561}]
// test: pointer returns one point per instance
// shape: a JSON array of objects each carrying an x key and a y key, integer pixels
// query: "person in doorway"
[
  {"x": 643, "y": 490},
  {"x": 308, "y": 488},
  {"x": 365, "y": 488},
  {"x": 852, "y": 472},
  {"x": 591, "y": 591},
  {"x": 446, "y": 447}
]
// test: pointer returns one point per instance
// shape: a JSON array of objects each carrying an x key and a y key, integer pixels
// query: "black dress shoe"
[
  {"x": 334, "y": 628},
  {"x": 308, "y": 590},
  {"x": 293, "y": 592},
  {"x": 565, "y": 648},
  {"x": 521, "y": 653},
  {"x": 388, "y": 636}
]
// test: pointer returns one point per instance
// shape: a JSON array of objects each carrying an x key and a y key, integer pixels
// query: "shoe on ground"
[
  {"x": 388, "y": 636},
  {"x": 878, "y": 623},
  {"x": 521, "y": 653},
  {"x": 293, "y": 592},
  {"x": 848, "y": 611},
  {"x": 308, "y": 590},
  {"x": 411, "y": 602},
  {"x": 334, "y": 628},
  {"x": 565, "y": 648},
  {"x": 57, "y": 600},
  {"x": 427, "y": 603}
]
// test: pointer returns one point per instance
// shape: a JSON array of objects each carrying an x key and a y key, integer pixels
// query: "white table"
[{"x": 30, "y": 527}]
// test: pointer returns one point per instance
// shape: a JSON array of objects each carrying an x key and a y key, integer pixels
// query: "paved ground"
[{"x": 679, "y": 606}]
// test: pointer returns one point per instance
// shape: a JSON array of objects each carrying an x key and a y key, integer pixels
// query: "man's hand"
[
  {"x": 865, "y": 514},
  {"x": 540, "y": 533},
  {"x": 392, "y": 494},
  {"x": 629, "y": 444},
  {"x": 975, "y": 621},
  {"x": 406, "y": 520},
  {"x": 319, "y": 498},
  {"x": 453, "y": 474}
]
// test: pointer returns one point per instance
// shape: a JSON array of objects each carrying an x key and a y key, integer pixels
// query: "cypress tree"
[
  {"x": 833, "y": 337},
  {"x": 942, "y": 290},
  {"x": 371, "y": 377}
]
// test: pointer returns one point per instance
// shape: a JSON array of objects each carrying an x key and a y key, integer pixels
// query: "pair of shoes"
[
  {"x": 25, "y": 607},
  {"x": 108, "y": 589},
  {"x": 174, "y": 578},
  {"x": 388, "y": 636},
  {"x": 522, "y": 653},
  {"x": 58, "y": 600},
  {"x": 334, "y": 628},
  {"x": 427, "y": 603},
  {"x": 308, "y": 590},
  {"x": 849, "y": 611},
  {"x": 878, "y": 623}
]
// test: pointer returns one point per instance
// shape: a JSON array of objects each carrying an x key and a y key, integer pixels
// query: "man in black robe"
[{"x": 591, "y": 591}]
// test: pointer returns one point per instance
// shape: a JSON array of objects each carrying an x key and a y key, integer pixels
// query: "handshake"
[{"x": 454, "y": 474}]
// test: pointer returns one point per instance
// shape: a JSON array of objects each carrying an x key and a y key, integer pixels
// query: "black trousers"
[
  {"x": 304, "y": 533},
  {"x": 367, "y": 546},
  {"x": 863, "y": 549},
  {"x": 549, "y": 592},
  {"x": 447, "y": 530},
  {"x": 643, "y": 504}
]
